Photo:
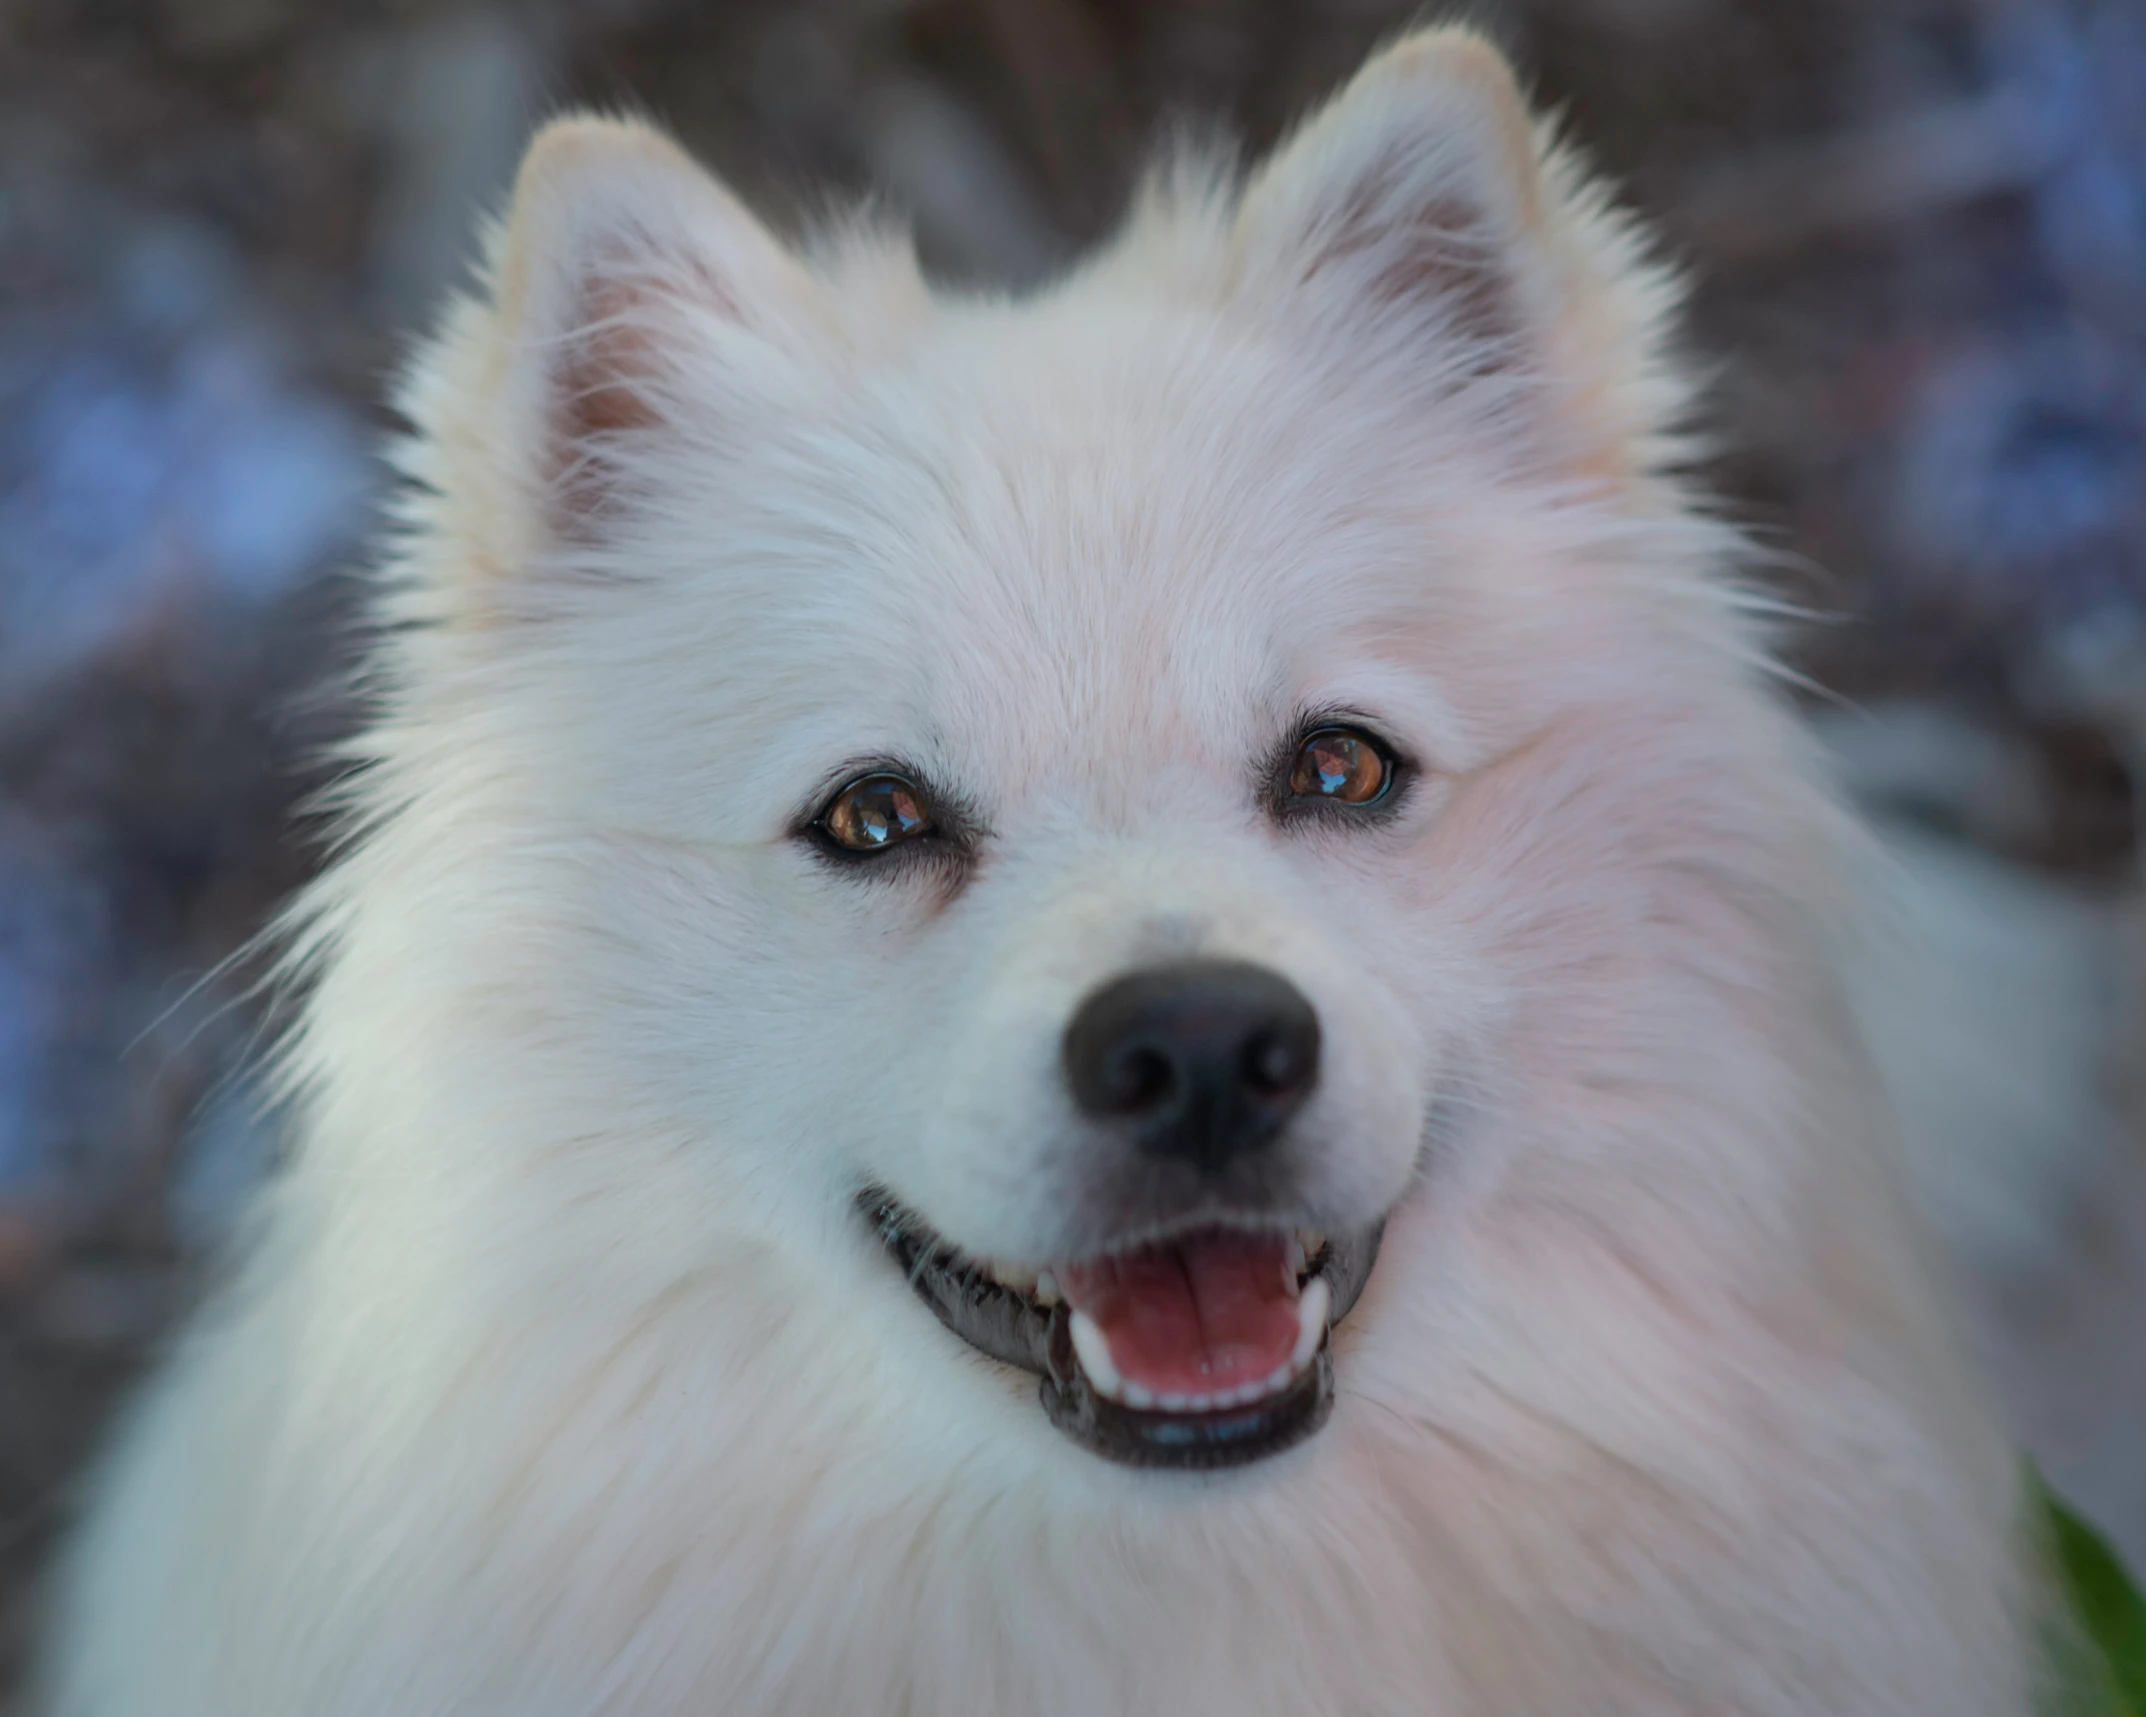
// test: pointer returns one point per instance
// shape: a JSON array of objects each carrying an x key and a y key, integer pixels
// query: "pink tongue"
[{"x": 1206, "y": 1313}]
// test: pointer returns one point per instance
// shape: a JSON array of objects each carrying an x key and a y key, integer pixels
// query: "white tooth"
[
  {"x": 1092, "y": 1349},
  {"x": 1311, "y": 1321},
  {"x": 1012, "y": 1276},
  {"x": 1046, "y": 1288},
  {"x": 1311, "y": 1240},
  {"x": 1138, "y": 1395},
  {"x": 1292, "y": 1262},
  {"x": 1173, "y": 1401},
  {"x": 1278, "y": 1378}
]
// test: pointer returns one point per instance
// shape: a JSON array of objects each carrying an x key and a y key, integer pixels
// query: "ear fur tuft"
[
  {"x": 619, "y": 262},
  {"x": 1424, "y": 197}
]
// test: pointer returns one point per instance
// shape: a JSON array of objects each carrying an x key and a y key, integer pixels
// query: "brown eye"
[
  {"x": 1341, "y": 765},
  {"x": 875, "y": 812}
]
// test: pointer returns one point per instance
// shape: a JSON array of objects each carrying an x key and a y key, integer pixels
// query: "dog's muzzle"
[{"x": 1197, "y": 1342}]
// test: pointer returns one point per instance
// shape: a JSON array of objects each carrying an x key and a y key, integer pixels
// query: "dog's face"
[
  {"x": 1039, "y": 779},
  {"x": 1078, "y": 841}
]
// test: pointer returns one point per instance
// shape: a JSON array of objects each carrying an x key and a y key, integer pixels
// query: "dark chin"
[{"x": 1015, "y": 1330}]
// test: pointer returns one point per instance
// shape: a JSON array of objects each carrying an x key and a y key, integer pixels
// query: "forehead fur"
[{"x": 1027, "y": 518}]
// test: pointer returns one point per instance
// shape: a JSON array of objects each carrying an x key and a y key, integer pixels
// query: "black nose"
[{"x": 1202, "y": 1061}]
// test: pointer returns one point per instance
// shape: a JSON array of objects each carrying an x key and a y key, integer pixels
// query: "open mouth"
[{"x": 1206, "y": 1347}]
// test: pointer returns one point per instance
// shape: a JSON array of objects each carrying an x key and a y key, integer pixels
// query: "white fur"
[{"x": 562, "y": 1377}]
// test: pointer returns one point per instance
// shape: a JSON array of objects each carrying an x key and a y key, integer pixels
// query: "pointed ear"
[
  {"x": 622, "y": 272},
  {"x": 1422, "y": 220}
]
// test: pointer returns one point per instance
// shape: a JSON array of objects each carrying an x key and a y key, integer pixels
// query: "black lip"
[{"x": 1014, "y": 1329}]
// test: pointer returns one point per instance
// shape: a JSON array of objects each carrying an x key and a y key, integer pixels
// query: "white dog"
[{"x": 1127, "y": 1002}]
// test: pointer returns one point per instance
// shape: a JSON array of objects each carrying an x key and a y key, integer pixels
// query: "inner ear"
[
  {"x": 1440, "y": 252},
  {"x": 610, "y": 380},
  {"x": 606, "y": 375}
]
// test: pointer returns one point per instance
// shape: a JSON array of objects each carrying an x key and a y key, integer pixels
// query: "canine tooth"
[
  {"x": 1311, "y": 1322},
  {"x": 1292, "y": 1262},
  {"x": 1012, "y": 1276},
  {"x": 1046, "y": 1288},
  {"x": 1092, "y": 1349},
  {"x": 1311, "y": 1239},
  {"x": 1137, "y": 1395}
]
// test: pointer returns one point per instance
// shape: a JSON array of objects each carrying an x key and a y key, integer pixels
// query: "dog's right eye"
[{"x": 875, "y": 812}]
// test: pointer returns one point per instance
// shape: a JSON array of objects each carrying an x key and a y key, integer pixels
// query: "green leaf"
[{"x": 2111, "y": 1614}]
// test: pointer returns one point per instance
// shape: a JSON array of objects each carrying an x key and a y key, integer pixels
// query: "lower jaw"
[{"x": 1228, "y": 1437}]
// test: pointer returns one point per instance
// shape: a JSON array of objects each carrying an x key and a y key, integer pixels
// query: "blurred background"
[{"x": 1918, "y": 229}]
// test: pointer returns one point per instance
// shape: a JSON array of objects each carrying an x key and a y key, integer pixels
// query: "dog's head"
[{"x": 1074, "y": 793}]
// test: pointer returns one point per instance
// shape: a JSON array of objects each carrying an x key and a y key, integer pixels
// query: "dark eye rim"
[
  {"x": 948, "y": 832},
  {"x": 1287, "y": 805}
]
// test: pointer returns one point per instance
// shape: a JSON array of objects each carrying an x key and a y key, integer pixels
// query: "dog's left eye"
[
  {"x": 875, "y": 812},
  {"x": 1341, "y": 765}
]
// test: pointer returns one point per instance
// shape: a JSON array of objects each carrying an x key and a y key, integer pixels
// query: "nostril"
[
  {"x": 1135, "y": 1079},
  {"x": 1277, "y": 1063}
]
